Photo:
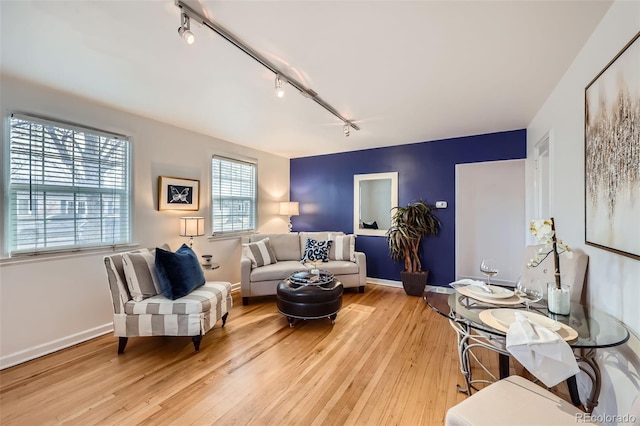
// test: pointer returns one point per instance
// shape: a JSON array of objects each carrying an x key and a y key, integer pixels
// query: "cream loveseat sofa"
[{"x": 288, "y": 250}]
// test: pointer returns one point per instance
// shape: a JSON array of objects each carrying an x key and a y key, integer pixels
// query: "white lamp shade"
[
  {"x": 289, "y": 208},
  {"x": 191, "y": 226}
]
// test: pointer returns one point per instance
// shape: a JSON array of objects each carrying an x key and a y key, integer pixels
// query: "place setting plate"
[
  {"x": 501, "y": 319},
  {"x": 495, "y": 293},
  {"x": 499, "y": 295}
]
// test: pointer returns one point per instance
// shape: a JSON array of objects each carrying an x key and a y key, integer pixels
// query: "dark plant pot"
[{"x": 414, "y": 283}]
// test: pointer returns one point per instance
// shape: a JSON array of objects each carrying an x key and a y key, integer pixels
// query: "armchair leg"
[
  {"x": 122, "y": 343},
  {"x": 196, "y": 342},
  {"x": 245, "y": 301},
  {"x": 361, "y": 289},
  {"x": 224, "y": 318}
]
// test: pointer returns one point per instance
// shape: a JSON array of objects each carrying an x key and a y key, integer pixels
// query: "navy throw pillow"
[{"x": 179, "y": 273}]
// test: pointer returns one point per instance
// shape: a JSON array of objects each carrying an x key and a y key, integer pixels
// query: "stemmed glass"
[
  {"x": 530, "y": 290},
  {"x": 315, "y": 271},
  {"x": 488, "y": 268}
]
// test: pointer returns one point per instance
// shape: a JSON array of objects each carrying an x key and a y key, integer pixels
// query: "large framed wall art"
[
  {"x": 178, "y": 194},
  {"x": 612, "y": 154}
]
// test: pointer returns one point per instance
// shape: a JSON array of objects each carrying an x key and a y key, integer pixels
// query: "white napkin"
[
  {"x": 466, "y": 281},
  {"x": 541, "y": 351}
]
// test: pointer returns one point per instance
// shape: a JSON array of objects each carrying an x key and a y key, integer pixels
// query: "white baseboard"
[
  {"x": 438, "y": 289},
  {"x": 388, "y": 283},
  {"x": 53, "y": 346},
  {"x": 398, "y": 284}
]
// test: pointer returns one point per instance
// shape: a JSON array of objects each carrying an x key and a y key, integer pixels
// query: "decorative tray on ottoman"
[{"x": 308, "y": 278}]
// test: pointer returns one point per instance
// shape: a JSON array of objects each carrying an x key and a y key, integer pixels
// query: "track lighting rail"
[{"x": 227, "y": 35}]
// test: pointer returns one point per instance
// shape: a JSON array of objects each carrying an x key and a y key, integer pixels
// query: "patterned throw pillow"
[
  {"x": 343, "y": 247},
  {"x": 260, "y": 253},
  {"x": 140, "y": 273},
  {"x": 316, "y": 250}
]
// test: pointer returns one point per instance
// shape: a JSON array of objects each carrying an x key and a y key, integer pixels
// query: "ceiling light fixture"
[
  {"x": 278, "y": 87},
  {"x": 189, "y": 13},
  {"x": 185, "y": 29},
  {"x": 345, "y": 129}
]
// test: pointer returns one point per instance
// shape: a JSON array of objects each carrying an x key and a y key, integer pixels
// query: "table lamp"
[
  {"x": 191, "y": 227},
  {"x": 289, "y": 208}
]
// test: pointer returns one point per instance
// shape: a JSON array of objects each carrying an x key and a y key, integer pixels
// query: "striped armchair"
[{"x": 191, "y": 315}]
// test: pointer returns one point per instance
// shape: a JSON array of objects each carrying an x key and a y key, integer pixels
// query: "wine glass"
[
  {"x": 530, "y": 290},
  {"x": 488, "y": 268}
]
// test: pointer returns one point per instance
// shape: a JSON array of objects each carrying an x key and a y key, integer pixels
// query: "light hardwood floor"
[{"x": 389, "y": 359}]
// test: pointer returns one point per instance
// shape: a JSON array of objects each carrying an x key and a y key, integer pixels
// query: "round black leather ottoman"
[{"x": 309, "y": 301}]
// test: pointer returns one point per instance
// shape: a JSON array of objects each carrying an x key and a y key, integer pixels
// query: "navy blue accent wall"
[{"x": 323, "y": 185}]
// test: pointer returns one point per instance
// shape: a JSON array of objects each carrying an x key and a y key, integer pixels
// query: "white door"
[{"x": 490, "y": 218}]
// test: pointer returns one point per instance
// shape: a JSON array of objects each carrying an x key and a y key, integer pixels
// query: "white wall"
[
  {"x": 613, "y": 280},
  {"x": 47, "y": 303},
  {"x": 490, "y": 218}
]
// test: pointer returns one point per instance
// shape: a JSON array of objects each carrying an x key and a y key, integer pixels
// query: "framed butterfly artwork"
[{"x": 178, "y": 194}]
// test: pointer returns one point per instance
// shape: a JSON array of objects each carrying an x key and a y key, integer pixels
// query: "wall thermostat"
[{"x": 441, "y": 204}]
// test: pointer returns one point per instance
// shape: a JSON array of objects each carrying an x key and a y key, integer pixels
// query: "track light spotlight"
[
  {"x": 185, "y": 29},
  {"x": 346, "y": 130},
  {"x": 278, "y": 87}
]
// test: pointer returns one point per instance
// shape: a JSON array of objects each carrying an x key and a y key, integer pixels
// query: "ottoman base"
[{"x": 309, "y": 302}]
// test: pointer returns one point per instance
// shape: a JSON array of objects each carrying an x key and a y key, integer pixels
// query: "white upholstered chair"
[
  {"x": 513, "y": 401},
  {"x": 191, "y": 315}
]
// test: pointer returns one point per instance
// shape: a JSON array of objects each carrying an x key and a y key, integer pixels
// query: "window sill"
[
  {"x": 23, "y": 258},
  {"x": 230, "y": 236}
]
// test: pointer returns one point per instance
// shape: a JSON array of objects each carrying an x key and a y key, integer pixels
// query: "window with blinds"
[
  {"x": 68, "y": 187},
  {"x": 233, "y": 195}
]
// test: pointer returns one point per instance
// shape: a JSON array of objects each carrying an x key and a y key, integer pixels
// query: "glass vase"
[{"x": 558, "y": 299}]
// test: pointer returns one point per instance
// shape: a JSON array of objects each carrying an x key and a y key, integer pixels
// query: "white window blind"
[
  {"x": 68, "y": 186},
  {"x": 233, "y": 195}
]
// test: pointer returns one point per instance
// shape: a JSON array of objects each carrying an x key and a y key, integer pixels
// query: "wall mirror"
[{"x": 374, "y": 195}]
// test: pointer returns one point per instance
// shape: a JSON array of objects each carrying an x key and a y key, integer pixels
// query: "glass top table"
[{"x": 595, "y": 329}]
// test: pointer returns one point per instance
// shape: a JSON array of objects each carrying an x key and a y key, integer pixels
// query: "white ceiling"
[{"x": 404, "y": 71}]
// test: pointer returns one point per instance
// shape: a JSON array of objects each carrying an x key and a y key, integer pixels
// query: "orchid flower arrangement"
[{"x": 544, "y": 230}]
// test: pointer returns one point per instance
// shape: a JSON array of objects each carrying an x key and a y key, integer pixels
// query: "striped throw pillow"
[
  {"x": 343, "y": 247},
  {"x": 260, "y": 253},
  {"x": 140, "y": 273}
]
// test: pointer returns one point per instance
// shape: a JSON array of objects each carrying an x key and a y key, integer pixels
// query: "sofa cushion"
[
  {"x": 285, "y": 246},
  {"x": 276, "y": 271},
  {"x": 199, "y": 300},
  {"x": 338, "y": 267},
  {"x": 140, "y": 274},
  {"x": 260, "y": 253},
  {"x": 343, "y": 247},
  {"x": 316, "y": 250},
  {"x": 179, "y": 273}
]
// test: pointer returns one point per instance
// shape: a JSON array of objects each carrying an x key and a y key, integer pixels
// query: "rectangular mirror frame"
[{"x": 393, "y": 202}]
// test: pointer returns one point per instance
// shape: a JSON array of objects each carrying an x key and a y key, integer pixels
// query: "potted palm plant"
[{"x": 408, "y": 225}]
